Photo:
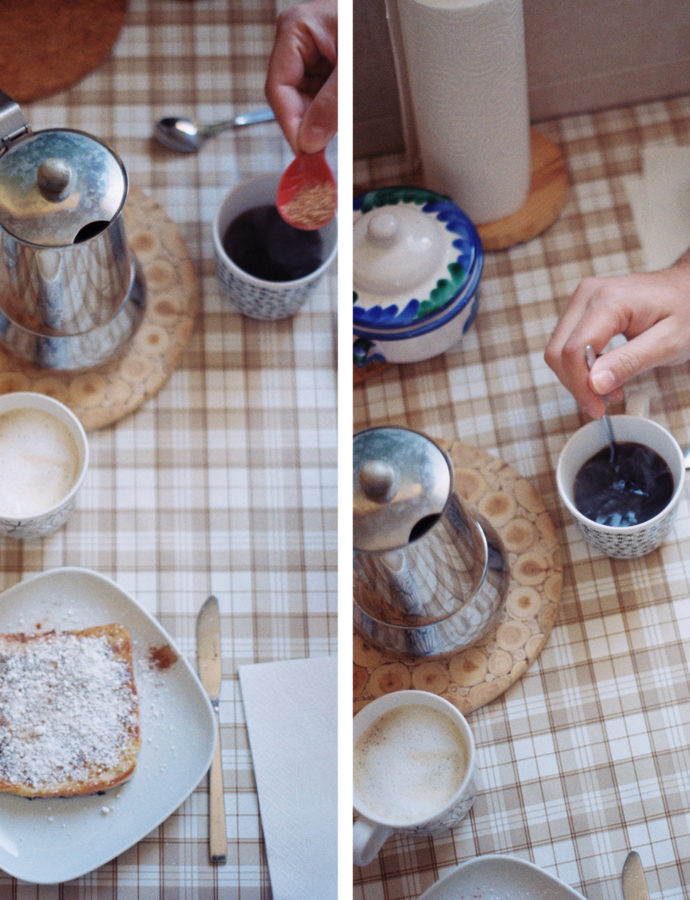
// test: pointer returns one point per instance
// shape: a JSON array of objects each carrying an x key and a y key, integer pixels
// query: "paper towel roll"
[{"x": 463, "y": 74}]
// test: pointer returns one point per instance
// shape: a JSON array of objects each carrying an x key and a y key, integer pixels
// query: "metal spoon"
[
  {"x": 186, "y": 136},
  {"x": 590, "y": 356}
]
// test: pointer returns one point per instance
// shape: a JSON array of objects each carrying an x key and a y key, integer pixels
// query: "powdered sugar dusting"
[{"x": 67, "y": 710}]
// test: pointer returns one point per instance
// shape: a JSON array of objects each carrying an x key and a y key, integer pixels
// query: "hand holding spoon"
[
  {"x": 306, "y": 196},
  {"x": 186, "y": 136},
  {"x": 590, "y": 357}
]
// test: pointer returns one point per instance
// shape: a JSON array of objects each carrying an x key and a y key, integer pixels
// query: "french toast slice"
[{"x": 69, "y": 712}]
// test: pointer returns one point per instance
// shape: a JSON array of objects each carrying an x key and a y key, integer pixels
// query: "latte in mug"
[
  {"x": 409, "y": 763},
  {"x": 39, "y": 462}
]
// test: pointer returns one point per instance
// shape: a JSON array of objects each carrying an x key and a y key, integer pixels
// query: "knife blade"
[
  {"x": 634, "y": 882},
  {"x": 210, "y": 673}
]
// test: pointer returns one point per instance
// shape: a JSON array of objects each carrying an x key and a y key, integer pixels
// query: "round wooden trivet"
[
  {"x": 107, "y": 393},
  {"x": 548, "y": 192},
  {"x": 478, "y": 674},
  {"x": 47, "y": 47}
]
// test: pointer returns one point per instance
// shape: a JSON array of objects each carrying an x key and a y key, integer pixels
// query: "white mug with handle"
[{"x": 415, "y": 769}]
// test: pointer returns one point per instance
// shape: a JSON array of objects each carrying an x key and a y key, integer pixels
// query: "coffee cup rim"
[
  {"x": 50, "y": 405},
  {"x": 679, "y": 480},
  {"x": 268, "y": 178},
  {"x": 415, "y": 698}
]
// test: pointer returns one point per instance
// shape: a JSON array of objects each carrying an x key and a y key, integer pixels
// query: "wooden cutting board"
[{"x": 47, "y": 47}]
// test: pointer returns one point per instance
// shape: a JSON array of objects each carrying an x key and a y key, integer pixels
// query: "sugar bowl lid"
[
  {"x": 57, "y": 186},
  {"x": 414, "y": 253},
  {"x": 401, "y": 484}
]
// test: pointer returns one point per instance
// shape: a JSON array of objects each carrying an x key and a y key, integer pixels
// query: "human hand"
[
  {"x": 302, "y": 76},
  {"x": 651, "y": 309}
]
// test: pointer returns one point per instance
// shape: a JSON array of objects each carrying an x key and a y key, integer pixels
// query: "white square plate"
[
  {"x": 50, "y": 841},
  {"x": 499, "y": 877}
]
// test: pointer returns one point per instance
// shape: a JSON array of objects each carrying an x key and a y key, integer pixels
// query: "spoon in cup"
[{"x": 590, "y": 357}]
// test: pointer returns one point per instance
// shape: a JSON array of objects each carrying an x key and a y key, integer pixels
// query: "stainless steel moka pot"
[
  {"x": 429, "y": 576},
  {"x": 70, "y": 291}
]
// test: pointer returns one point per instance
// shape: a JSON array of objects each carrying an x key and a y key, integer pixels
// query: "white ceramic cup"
[
  {"x": 632, "y": 540},
  {"x": 372, "y": 826},
  {"x": 256, "y": 297},
  {"x": 39, "y": 521}
]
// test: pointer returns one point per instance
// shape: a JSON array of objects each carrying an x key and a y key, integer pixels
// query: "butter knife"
[
  {"x": 634, "y": 883},
  {"x": 209, "y": 661}
]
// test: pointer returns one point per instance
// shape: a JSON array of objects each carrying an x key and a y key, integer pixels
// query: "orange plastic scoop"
[{"x": 307, "y": 196}]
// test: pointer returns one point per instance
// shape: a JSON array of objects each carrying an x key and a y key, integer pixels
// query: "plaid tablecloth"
[
  {"x": 588, "y": 755},
  {"x": 225, "y": 482}
]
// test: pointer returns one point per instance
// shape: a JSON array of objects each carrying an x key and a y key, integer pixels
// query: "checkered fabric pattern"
[
  {"x": 225, "y": 482},
  {"x": 588, "y": 755}
]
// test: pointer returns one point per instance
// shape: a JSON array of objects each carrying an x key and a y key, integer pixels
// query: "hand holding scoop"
[{"x": 306, "y": 196}]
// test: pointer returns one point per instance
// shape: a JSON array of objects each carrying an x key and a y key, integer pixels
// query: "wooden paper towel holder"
[{"x": 548, "y": 192}]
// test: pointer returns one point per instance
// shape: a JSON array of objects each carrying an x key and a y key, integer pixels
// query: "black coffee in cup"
[
  {"x": 635, "y": 487},
  {"x": 261, "y": 243}
]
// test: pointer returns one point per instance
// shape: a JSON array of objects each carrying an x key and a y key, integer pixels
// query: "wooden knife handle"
[{"x": 217, "y": 835}]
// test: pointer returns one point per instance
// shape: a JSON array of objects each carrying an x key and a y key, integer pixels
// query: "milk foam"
[
  {"x": 39, "y": 462},
  {"x": 408, "y": 764}
]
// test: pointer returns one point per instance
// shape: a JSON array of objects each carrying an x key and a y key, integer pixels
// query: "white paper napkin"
[
  {"x": 292, "y": 714},
  {"x": 660, "y": 203}
]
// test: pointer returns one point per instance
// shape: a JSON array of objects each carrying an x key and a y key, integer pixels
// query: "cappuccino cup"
[
  {"x": 44, "y": 456},
  {"x": 634, "y": 428},
  {"x": 414, "y": 769}
]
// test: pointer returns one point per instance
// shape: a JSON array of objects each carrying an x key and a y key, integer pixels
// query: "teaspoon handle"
[
  {"x": 248, "y": 118},
  {"x": 609, "y": 426},
  {"x": 590, "y": 357},
  {"x": 252, "y": 118}
]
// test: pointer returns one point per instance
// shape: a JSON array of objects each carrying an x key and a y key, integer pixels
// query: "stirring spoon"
[
  {"x": 590, "y": 357},
  {"x": 186, "y": 136},
  {"x": 306, "y": 197}
]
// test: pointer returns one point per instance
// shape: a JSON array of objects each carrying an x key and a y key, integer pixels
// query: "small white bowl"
[{"x": 39, "y": 522}]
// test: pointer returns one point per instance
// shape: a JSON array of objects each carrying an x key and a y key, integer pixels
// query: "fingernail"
[
  {"x": 603, "y": 381},
  {"x": 314, "y": 138}
]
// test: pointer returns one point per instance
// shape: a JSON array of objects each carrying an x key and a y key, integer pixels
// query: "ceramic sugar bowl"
[{"x": 417, "y": 264}]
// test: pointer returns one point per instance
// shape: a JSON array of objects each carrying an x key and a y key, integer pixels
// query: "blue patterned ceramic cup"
[
  {"x": 624, "y": 541},
  {"x": 44, "y": 456},
  {"x": 414, "y": 769},
  {"x": 251, "y": 295}
]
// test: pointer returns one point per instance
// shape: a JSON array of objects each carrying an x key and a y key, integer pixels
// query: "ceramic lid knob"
[
  {"x": 395, "y": 251},
  {"x": 383, "y": 229}
]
